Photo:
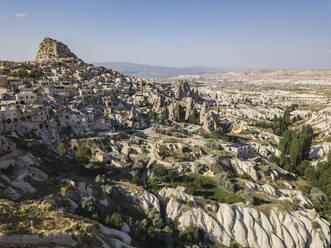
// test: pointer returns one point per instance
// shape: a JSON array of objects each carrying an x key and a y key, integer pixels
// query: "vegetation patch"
[{"x": 206, "y": 187}]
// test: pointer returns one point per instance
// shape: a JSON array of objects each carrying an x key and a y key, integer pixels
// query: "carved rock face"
[
  {"x": 51, "y": 50},
  {"x": 182, "y": 89},
  {"x": 176, "y": 112}
]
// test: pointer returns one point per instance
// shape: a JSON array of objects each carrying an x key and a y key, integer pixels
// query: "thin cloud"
[
  {"x": 328, "y": 51},
  {"x": 21, "y": 14}
]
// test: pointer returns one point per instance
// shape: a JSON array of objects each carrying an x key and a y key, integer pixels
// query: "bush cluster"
[
  {"x": 317, "y": 196},
  {"x": 295, "y": 147},
  {"x": 34, "y": 74},
  {"x": 213, "y": 144},
  {"x": 190, "y": 235},
  {"x": 62, "y": 149},
  {"x": 83, "y": 154},
  {"x": 245, "y": 196},
  {"x": 280, "y": 124},
  {"x": 226, "y": 182},
  {"x": 199, "y": 168},
  {"x": 138, "y": 168},
  {"x": 163, "y": 174},
  {"x": 114, "y": 220}
]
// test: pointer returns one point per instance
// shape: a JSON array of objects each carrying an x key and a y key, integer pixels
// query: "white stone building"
[{"x": 26, "y": 97}]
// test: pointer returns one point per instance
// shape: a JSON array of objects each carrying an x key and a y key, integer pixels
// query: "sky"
[{"x": 257, "y": 34}]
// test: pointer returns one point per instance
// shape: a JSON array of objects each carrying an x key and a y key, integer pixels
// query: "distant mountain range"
[{"x": 160, "y": 72}]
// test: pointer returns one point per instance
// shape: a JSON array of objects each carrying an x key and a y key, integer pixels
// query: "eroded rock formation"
[{"x": 51, "y": 50}]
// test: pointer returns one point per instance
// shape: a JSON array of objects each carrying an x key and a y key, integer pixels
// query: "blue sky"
[{"x": 234, "y": 33}]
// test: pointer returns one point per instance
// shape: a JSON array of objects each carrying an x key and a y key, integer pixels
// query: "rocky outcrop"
[
  {"x": 210, "y": 123},
  {"x": 176, "y": 112},
  {"x": 16, "y": 183},
  {"x": 320, "y": 150},
  {"x": 159, "y": 103},
  {"x": 160, "y": 106},
  {"x": 191, "y": 114},
  {"x": 145, "y": 199},
  {"x": 122, "y": 238},
  {"x": 249, "y": 226},
  {"x": 239, "y": 127},
  {"x": 266, "y": 150},
  {"x": 51, "y": 50},
  {"x": 182, "y": 89},
  {"x": 203, "y": 111},
  {"x": 134, "y": 119}
]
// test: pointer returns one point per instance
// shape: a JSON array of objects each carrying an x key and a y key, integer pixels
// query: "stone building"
[{"x": 26, "y": 96}]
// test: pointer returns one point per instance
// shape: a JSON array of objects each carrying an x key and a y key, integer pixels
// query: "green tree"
[
  {"x": 225, "y": 181},
  {"x": 190, "y": 235},
  {"x": 320, "y": 178},
  {"x": 301, "y": 168},
  {"x": 114, "y": 220},
  {"x": 245, "y": 196},
  {"x": 83, "y": 154},
  {"x": 36, "y": 74},
  {"x": 89, "y": 207},
  {"x": 151, "y": 236},
  {"x": 295, "y": 147},
  {"x": 62, "y": 149}
]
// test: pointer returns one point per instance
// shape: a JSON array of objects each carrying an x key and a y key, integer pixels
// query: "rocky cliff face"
[
  {"x": 247, "y": 225},
  {"x": 52, "y": 50}
]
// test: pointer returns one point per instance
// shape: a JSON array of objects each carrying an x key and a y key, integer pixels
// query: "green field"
[{"x": 206, "y": 187}]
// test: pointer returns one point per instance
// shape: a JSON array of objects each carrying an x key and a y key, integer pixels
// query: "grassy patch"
[
  {"x": 263, "y": 167},
  {"x": 206, "y": 187}
]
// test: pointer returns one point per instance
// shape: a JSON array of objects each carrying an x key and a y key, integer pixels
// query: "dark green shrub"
[
  {"x": 245, "y": 176},
  {"x": 136, "y": 179},
  {"x": 140, "y": 163},
  {"x": 274, "y": 159},
  {"x": 190, "y": 204},
  {"x": 234, "y": 245},
  {"x": 89, "y": 207},
  {"x": 226, "y": 182},
  {"x": 245, "y": 196},
  {"x": 152, "y": 184},
  {"x": 62, "y": 149},
  {"x": 189, "y": 235},
  {"x": 83, "y": 154},
  {"x": 114, "y": 220},
  {"x": 151, "y": 235},
  {"x": 317, "y": 196},
  {"x": 315, "y": 225},
  {"x": 198, "y": 167},
  {"x": 213, "y": 144}
]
